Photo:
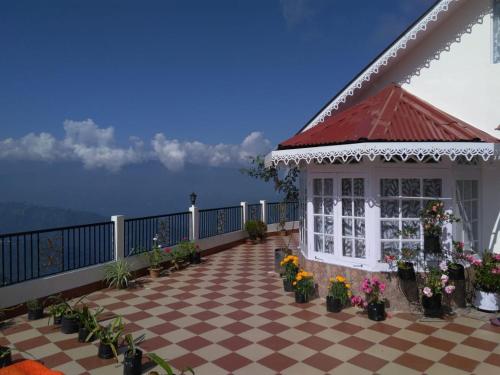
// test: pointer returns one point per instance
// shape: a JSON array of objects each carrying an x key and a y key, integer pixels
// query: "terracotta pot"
[
  {"x": 487, "y": 301},
  {"x": 376, "y": 311},
  {"x": 432, "y": 244},
  {"x": 154, "y": 273},
  {"x": 333, "y": 304},
  {"x": 432, "y": 306}
]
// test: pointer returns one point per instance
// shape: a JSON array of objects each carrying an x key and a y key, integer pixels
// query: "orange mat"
[{"x": 28, "y": 367}]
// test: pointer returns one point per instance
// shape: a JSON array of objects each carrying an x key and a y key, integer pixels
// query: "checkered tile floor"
[{"x": 230, "y": 315}]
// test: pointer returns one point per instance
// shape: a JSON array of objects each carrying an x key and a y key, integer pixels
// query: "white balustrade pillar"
[
  {"x": 263, "y": 207},
  {"x": 195, "y": 223},
  {"x": 119, "y": 240},
  {"x": 244, "y": 218}
]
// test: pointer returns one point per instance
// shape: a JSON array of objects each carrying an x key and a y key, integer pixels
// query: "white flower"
[
  {"x": 443, "y": 265},
  {"x": 444, "y": 279},
  {"x": 427, "y": 291},
  {"x": 449, "y": 289}
]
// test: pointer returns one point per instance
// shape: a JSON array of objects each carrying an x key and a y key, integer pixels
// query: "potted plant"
[
  {"x": 5, "y": 356},
  {"x": 108, "y": 338},
  {"x": 177, "y": 257},
  {"x": 433, "y": 218},
  {"x": 303, "y": 286},
  {"x": 165, "y": 366},
  {"x": 56, "y": 309},
  {"x": 486, "y": 281},
  {"x": 35, "y": 309},
  {"x": 191, "y": 250},
  {"x": 132, "y": 358},
  {"x": 88, "y": 324},
  {"x": 453, "y": 266},
  {"x": 403, "y": 264},
  {"x": 435, "y": 283},
  {"x": 261, "y": 230},
  {"x": 117, "y": 274},
  {"x": 155, "y": 257},
  {"x": 373, "y": 303},
  {"x": 70, "y": 322},
  {"x": 291, "y": 266},
  {"x": 338, "y": 294},
  {"x": 253, "y": 232}
]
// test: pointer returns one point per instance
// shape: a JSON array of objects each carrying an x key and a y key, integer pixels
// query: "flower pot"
[
  {"x": 457, "y": 272},
  {"x": 376, "y": 311},
  {"x": 83, "y": 333},
  {"x": 487, "y": 301},
  {"x": 57, "y": 320},
  {"x": 5, "y": 356},
  {"x": 301, "y": 297},
  {"x": 333, "y": 304},
  {"x": 432, "y": 306},
  {"x": 154, "y": 273},
  {"x": 407, "y": 273},
  {"x": 35, "y": 314},
  {"x": 105, "y": 351},
  {"x": 432, "y": 244},
  {"x": 132, "y": 364},
  {"x": 70, "y": 325},
  {"x": 195, "y": 258},
  {"x": 287, "y": 285}
]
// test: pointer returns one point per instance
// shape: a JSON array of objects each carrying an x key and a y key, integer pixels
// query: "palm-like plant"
[
  {"x": 117, "y": 274},
  {"x": 165, "y": 366}
]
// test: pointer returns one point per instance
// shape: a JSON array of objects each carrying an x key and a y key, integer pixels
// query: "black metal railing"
[
  {"x": 169, "y": 230},
  {"x": 282, "y": 212},
  {"x": 30, "y": 255},
  {"x": 216, "y": 221},
  {"x": 254, "y": 211}
]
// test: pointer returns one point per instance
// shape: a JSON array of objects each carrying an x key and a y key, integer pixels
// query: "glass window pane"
[
  {"x": 389, "y": 229},
  {"x": 410, "y": 208},
  {"x": 359, "y": 227},
  {"x": 359, "y": 207},
  {"x": 496, "y": 32},
  {"x": 346, "y": 207},
  {"x": 389, "y": 187},
  {"x": 318, "y": 224},
  {"x": 328, "y": 186},
  {"x": 328, "y": 205},
  {"x": 432, "y": 187},
  {"x": 467, "y": 190},
  {"x": 410, "y": 229},
  {"x": 414, "y": 246},
  {"x": 410, "y": 187},
  {"x": 317, "y": 187},
  {"x": 329, "y": 244},
  {"x": 347, "y": 247},
  {"x": 329, "y": 224},
  {"x": 390, "y": 248},
  {"x": 389, "y": 208},
  {"x": 359, "y": 187},
  {"x": 347, "y": 227},
  {"x": 318, "y": 205},
  {"x": 360, "y": 249},
  {"x": 475, "y": 194},
  {"x": 474, "y": 211},
  {"x": 347, "y": 187},
  {"x": 318, "y": 242}
]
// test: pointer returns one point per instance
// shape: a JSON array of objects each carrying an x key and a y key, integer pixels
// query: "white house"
[{"x": 418, "y": 123}]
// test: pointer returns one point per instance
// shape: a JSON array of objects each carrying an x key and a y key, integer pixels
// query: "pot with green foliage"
[
  {"x": 155, "y": 257},
  {"x": 108, "y": 338},
  {"x": 177, "y": 256},
  {"x": 88, "y": 324},
  {"x": 5, "y": 356},
  {"x": 251, "y": 229},
  {"x": 338, "y": 294},
  {"x": 35, "y": 309},
  {"x": 117, "y": 274},
  {"x": 132, "y": 358},
  {"x": 486, "y": 281},
  {"x": 57, "y": 310},
  {"x": 290, "y": 266},
  {"x": 165, "y": 366},
  {"x": 434, "y": 217},
  {"x": 303, "y": 286},
  {"x": 192, "y": 251}
]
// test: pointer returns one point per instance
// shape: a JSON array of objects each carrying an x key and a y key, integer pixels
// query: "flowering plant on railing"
[
  {"x": 434, "y": 217},
  {"x": 291, "y": 266},
  {"x": 304, "y": 283},
  {"x": 486, "y": 271},
  {"x": 373, "y": 289},
  {"x": 436, "y": 281}
]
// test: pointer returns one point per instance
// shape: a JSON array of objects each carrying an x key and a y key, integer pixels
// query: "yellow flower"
[
  {"x": 299, "y": 277},
  {"x": 348, "y": 286},
  {"x": 340, "y": 279},
  {"x": 332, "y": 279},
  {"x": 294, "y": 283}
]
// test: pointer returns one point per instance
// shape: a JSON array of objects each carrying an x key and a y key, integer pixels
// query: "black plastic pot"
[
  {"x": 432, "y": 306},
  {"x": 83, "y": 333},
  {"x": 195, "y": 258},
  {"x": 376, "y": 311},
  {"x": 432, "y": 244},
  {"x": 287, "y": 285},
  {"x": 333, "y": 304},
  {"x": 35, "y": 314},
  {"x": 70, "y": 324},
  {"x": 5, "y": 356},
  {"x": 301, "y": 298},
  {"x": 132, "y": 364},
  {"x": 105, "y": 352},
  {"x": 407, "y": 273},
  {"x": 57, "y": 320},
  {"x": 457, "y": 272}
]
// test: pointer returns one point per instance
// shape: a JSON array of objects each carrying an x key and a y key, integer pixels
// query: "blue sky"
[{"x": 91, "y": 74}]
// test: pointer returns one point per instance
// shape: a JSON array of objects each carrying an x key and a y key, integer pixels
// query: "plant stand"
[
  {"x": 432, "y": 244},
  {"x": 457, "y": 276}
]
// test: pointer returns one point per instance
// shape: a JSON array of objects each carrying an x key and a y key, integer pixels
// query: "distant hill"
[{"x": 20, "y": 217}]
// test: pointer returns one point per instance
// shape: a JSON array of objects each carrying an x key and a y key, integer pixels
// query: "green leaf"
[{"x": 161, "y": 362}]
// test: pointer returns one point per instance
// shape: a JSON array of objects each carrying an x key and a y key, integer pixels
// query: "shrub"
[{"x": 117, "y": 274}]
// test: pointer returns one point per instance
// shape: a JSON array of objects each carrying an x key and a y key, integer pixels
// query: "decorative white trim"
[
  {"x": 405, "y": 150},
  {"x": 390, "y": 54}
]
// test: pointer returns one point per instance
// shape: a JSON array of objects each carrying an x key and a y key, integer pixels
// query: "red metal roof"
[{"x": 392, "y": 115}]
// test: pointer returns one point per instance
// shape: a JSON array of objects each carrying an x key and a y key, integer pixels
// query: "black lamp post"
[{"x": 193, "y": 198}]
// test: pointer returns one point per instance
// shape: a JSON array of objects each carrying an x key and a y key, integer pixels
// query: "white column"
[
  {"x": 263, "y": 207},
  {"x": 195, "y": 223},
  {"x": 244, "y": 218},
  {"x": 119, "y": 221}
]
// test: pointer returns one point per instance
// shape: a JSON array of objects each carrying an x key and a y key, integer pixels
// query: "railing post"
[
  {"x": 119, "y": 221},
  {"x": 195, "y": 223},
  {"x": 263, "y": 208},
  {"x": 244, "y": 218}
]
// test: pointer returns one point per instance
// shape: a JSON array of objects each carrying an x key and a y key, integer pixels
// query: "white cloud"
[{"x": 95, "y": 147}]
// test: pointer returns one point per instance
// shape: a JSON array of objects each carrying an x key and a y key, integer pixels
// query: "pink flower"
[
  {"x": 496, "y": 270},
  {"x": 443, "y": 266},
  {"x": 382, "y": 287},
  {"x": 497, "y": 257},
  {"x": 167, "y": 250},
  {"x": 444, "y": 279},
  {"x": 427, "y": 291},
  {"x": 449, "y": 289}
]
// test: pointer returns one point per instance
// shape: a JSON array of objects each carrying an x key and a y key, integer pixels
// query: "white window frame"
[{"x": 459, "y": 228}]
